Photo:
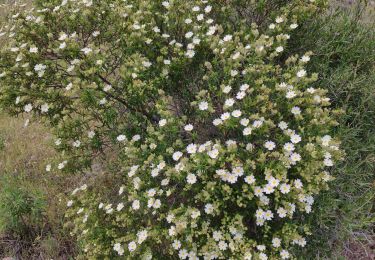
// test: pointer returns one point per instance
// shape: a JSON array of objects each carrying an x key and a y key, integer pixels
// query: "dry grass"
[
  {"x": 24, "y": 148},
  {"x": 24, "y": 153}
]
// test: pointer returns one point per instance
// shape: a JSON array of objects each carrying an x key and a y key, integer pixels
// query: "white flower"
[
  {"x": 151, "y": 192},
  {"x": 61, "y": 165},
  {"x": 136, "y": 138},
  {"x": 190, "y": 53},
  {"x": 293, "y": 26},
  {"x": 250, "y": 179},
  {"x": 217, "y": 122},
  {"x": 326, "y": 139},
  {"x": 176, "y": 244},
  {"x": 273, "y": 182},
  {"x": 268, "y": 189},
  {"x": 188, "y": 127},
  {"x": 76, "y": 143},
  {"x": 270, "y": 145},
  {"x": 208, "y": 9},
  {"x": 281, "y": 212},
  {"x": 33, "y": 50},
  {"x": 211, "y": 30},
  {"x": 195, "y": 214},
  {"x": 227, "y": 89},
  {"x": 283, "y": 125},
  {"x": 227, "y": 38},
  {"x": 229, "y": 102},
  {"x": 182, "y": 254},
  {"x": 48, "y": 167},
  {"x": 213, "y": 153},
  {"x": 279, "y": 49},
  {"x": 301, "y": 73},
  {"x": 162, "y": 122},
  {"x": 244, "y": 87},
  {"x": 177, "y": 155},
  {"x": 69, "y": 203},
  {"x": 62, "y": 45},
  {"x": 142, "y": 235},
  {"x": 298, "y": 184},
  {"x": 136, "y": 204},
  {"x": 118, "y": 248},
  {"x": 236, "y": 113},
  {"x": 121, "y": 138},
  {"x": 223, "y": 245},
  {"x": 284, "y": 254},
  {"x": 296, "y": 111},
  {"x": 196, "y": 9},
  {"x": 295, "y": 157},
  {"x": 44, "y": 108},
  {"x": 203, "y": 105},
  {"x": 305, "y": 58},
  {"x": 294, "y": 138},
  {"x": 191, "y": 148},
  {"x": 276, "y": 242},
  {"x": 200, "y": 17},
  {"x": 233, "y": 73},
  {"x": 165, "y": 4},
  {"x": 191, "y": 178},
  {"x": 225, "y": 116},
  {"x": 189, "y": 35},
  {"x": 328, "y": 162},
  {"x": 132, "y": 246},
  {"x": 268, "y": 215},
  {"x": 188, "y": 21},
  {"x": 208, "y": 208},
  {"x": 289, "y": 147},
  {"x": 257, "y": 123},
  {"x": 244, "y": 121},
  {"x": 86, "y": 50},
  {"x": 284, "y": 188},
  {"x": 290, "y": 94},
  {"x": 156, "y": 204},
  {"x": 120, "y": 206},
  {"x": 279, "y": 19},
  {"x": 170, "y": 218},
  {"x": 247, "y": 131},
  {"x": 240, "y": 95},
  {"x": 28, "y": 108}
]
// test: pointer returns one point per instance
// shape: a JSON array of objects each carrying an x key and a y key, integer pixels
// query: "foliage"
[{"x": 219, "y": 142}]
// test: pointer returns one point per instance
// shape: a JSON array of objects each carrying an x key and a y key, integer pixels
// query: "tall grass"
[{"x": 344, "y": 47}]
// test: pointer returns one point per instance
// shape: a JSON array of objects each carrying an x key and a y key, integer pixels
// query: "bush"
[{"x": 218, "y": 142}]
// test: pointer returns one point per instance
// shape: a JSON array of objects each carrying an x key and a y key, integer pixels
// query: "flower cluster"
[{"x": 218, "y": 142}]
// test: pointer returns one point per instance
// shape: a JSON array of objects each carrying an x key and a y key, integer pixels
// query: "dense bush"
[{"x": 218, "y": 142}]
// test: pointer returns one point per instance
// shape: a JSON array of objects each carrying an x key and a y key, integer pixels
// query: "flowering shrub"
[{"x": 218, "y": 141}]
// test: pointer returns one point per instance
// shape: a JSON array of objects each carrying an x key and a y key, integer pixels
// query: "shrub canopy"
[{"x": 217, "y": 143}]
